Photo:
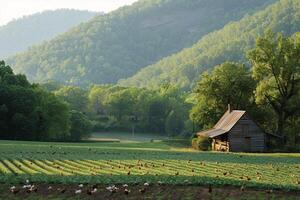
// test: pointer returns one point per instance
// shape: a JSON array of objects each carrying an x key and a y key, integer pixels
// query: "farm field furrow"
[{"x": 105, "y": 164}]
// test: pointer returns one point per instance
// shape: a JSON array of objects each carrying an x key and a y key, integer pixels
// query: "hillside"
[
  {"x": 19, "y": 34},
  {"x": 118, "y": 44},
  {"x": 230, "y": 43}
]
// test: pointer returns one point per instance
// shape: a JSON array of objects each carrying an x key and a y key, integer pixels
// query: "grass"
[
  {"x": 138, "y": 162},
  {"x": 126, "y": 137}
]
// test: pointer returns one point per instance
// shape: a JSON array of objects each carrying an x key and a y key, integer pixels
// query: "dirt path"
[{"x": 140, "y": 192}]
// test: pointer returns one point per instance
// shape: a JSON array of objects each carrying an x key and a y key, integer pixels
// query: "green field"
[
  {"x": 125, "y": 137},
  {"x": 139, "y": 162}
]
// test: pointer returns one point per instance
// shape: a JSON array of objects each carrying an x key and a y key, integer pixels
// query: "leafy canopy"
[
  {"x": 276, "y": 66},
  {"x": 228, "y": 83}
]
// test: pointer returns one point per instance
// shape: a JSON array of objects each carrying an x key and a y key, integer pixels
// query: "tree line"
[{"x": 115, "y": 108}]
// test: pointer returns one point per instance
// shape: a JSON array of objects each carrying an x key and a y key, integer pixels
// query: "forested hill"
[
  {"x": 230, "y": 43},
  {"x": 19, "y": 34},
  {"x": 118, "y": 44}
]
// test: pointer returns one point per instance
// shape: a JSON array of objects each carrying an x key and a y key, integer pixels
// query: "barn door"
[{"x": 247, "y": 146}]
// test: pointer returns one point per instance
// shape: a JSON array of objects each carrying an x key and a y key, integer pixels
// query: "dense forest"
[
  {"x": 230, "y": 43},
  {"x": 18, "y": 35},
  {"x": 118, "y": 44},
  {"x": 28, "y": 112}
]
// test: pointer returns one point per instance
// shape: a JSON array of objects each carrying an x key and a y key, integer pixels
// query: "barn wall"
[{"x": 246, "y": 136}]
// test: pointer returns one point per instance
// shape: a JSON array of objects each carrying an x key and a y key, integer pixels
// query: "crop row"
[{"x": 285, "y": 174}]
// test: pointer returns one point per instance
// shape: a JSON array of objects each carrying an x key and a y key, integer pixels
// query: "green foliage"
[
  {"x": 201, "y": 143},
  {"x": 118, "y": 108},
  {"x": 276, "y": 66},
  {"x": 76, "y": 97},
  {"x": 118, "y": 44},
  {"x": 80, "y": 126},
  {"x": 120, "y": 103},
  {"x": 228, "y": 83},
  {"x": 29, "y": 112},
  {"x": 18, "y": 35},
  {"x": 174, "y": 123},
  {"x": 231, "y": 43}
]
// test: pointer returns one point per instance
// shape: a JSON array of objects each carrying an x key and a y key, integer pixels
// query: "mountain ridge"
[
  {"x": 19, "y": 34},
  {"x": 118, "y": 44},
  {"x": 227, "y": 44}
]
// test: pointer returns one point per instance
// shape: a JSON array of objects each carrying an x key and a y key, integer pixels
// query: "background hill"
[
  {"x": 118, "y": 44},
  {"x": 19, "y": 34},
  {"x": 230, "y": 43}
]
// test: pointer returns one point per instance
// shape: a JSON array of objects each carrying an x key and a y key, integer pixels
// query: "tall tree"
[
  {"x": 228, "y": 83},
  {"x": 276, "y": 67}
]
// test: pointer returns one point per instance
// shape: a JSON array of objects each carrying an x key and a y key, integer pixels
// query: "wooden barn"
[{"x": 236, "y": 132}]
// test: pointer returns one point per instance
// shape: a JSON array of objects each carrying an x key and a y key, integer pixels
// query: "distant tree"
[
  {"x": 51, "y": 86},
  {"x": 157, "y": 113},
  {"x": 96, "y": 97},
  {"x": 120, "y": 103},
  {"x": 76, "y": 97},
  {"x": 56, "y": 113},
  {"x": 121, "y": 108},
  {"x": 174, "y": 123},
  {"x": 80, "y": 126},
  {"x": 229, "y": 83},
  {"x": 276, "y": 67}
]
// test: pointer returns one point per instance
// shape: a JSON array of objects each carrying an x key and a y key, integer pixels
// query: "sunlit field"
[{"x": 120, "y": 163}]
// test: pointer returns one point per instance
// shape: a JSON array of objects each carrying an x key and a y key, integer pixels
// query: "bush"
[{"x": 201, "y": 143}]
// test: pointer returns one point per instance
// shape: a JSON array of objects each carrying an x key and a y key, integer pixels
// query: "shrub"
[{"x": 201, "y": 143}]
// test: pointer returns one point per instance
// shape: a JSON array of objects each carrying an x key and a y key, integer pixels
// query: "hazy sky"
[{"x": 12, "y": 9}]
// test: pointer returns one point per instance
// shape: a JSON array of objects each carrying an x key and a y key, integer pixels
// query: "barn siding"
[{"x": 237, "y": 134}]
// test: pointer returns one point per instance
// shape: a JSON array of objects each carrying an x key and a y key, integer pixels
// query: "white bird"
[
  {"x": 112, "y": 188},
  {"x": 125, "y": 185},
  {"x": 94, "y": 190},
  {"x": 81, "y": 185},
  {"x": 26, "y": 186},
  {"x": 109, "y": 188},
  {"x": 13, "y": 188},
  {"x": 160, "y": 182},
  {"x": 78, "y": 192},
  {"x": 146, "y": 184}
]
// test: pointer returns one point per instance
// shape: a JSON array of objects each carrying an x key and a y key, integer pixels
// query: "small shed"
[{"x": 236, "y": 132}]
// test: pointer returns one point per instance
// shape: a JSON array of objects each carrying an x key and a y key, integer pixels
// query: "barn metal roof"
[{"x": 225, "y": 124}]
